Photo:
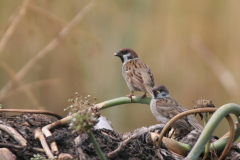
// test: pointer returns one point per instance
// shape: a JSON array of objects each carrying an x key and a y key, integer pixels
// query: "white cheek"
[
  {"x": 162, "y": 95},
  {"x": 125, "y": 57},
  {"x": 159, "y": 96}
]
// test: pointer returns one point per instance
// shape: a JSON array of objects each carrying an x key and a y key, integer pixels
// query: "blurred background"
[{"x": 51, "y": 49}]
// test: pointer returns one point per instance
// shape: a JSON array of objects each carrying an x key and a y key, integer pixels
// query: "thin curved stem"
[
  {"x": 32, "y": 111},
  {"x": 210, "y": 127},
  {"x": 193, "y": 111},
  {"x": 200, "y": 110},
  {"x": 221, "y": 113},
  {"x": 230, "y": 139}
]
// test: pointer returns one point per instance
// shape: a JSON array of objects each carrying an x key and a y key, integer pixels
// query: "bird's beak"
[
  {"x": 118, "y": 54},
  {"x": 158, "y": 91}
]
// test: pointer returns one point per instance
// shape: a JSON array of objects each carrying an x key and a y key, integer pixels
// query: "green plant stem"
[
  {"x": 123, "y": 100},
  {"x": 210, "y": 127},
  {"x": 96, "y": 146},
  {"x": 220, "y": 144},
  {"x": 205, "y": 120}
]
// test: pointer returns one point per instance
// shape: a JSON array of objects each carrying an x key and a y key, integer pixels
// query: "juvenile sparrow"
[
  {"x": 165, "y": 108},
  {"x": 136, "y": 73}
]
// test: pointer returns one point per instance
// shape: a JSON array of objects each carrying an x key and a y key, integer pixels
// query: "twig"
[
  {"x": 50, "y": 46},
  {"x": 42, "y": 83},
  {"x": 114, "y": 153},
  {"x": 222, "y": 73},
  {"x": 21, "y": 147},
  {"x": 127, "y": 137},
  {"x": 47, "y": 133},
  {"x": 30, "y": 95},
  {"x": 13, "y": 26},
  {"x": 11, "y": 72},
  {"x": 32, "y": 111},
  {"x": 14, "y": 134},
  {"x": 38, "y": 135},
  {"x": 46, "y": 13}
]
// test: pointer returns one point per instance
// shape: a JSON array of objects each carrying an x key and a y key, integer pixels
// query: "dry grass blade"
[
  {"x": 11, "y": 73},
  {"x": 47, "y": 82},
  {"x": 16, "y": 82},
  {"x": 47, "y": 133},
  {"x": 46, "y": 14},
  {"x": 7, "y": 145},
  {"x": 13, "y": 26},
  {"x": 223, "y": 74},
  {"x": 14, "y": 134},
  {"x": 49, "y": 47},
  {"x": 32, "y": 111},
  {"x": 39, "y": 135}
]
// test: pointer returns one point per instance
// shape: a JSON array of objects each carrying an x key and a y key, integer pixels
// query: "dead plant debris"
[{"x": 132, "y": 145}]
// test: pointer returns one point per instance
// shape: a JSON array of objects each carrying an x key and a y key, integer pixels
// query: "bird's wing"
[
  {"x": 193, "y": 121},
  {"x": 190, "y": 118},
  {"x": 138, "y": 75},
  {"x": 170, "y": 108}
]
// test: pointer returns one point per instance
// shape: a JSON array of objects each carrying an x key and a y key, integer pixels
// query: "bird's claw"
[
  {"x": 130, "y": 96},
  {"x": 143, "y": 96}
]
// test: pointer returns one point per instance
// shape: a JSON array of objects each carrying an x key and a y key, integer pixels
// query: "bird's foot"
[
  {"x": 143, "y": 95},
  {"x": 130, "y": 96}
]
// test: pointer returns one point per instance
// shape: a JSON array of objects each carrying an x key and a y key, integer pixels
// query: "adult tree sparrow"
[
  {"x": 165, "y": 108},
  {"x": 136, "y": 73}
]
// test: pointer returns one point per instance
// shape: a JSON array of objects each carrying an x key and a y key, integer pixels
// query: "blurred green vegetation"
[{"x": 191, "y": 47}]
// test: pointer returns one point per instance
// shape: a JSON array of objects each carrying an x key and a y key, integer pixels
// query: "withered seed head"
[
  {"x": 203, "y": 103},
  {"x": 86, "y": 116}
]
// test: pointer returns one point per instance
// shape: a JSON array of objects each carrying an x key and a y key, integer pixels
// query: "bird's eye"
[
  {"x": 124, "y": 52},
  {"x": 161, "y": 90}
]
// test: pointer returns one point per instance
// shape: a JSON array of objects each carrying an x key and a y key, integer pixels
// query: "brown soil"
[{"x": 133, "y": 145}]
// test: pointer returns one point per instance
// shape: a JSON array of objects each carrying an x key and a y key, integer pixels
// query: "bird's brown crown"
[{"x": 128, "y": 50}]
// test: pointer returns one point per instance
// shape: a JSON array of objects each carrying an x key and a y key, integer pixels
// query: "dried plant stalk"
[{"x": 13, "y": 26}]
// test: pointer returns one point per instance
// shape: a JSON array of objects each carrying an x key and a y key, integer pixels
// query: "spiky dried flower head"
[
  {"x": 79, "y": 104},
  {"x": 85, "y": 115},
  {"x": 203, "y": 103}
]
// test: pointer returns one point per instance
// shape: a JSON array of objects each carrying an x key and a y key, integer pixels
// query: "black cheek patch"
[
  {"x": 155, "y": 94},
  {"x": 121, "y": 59},
  {"x": 130, "y": 57}
]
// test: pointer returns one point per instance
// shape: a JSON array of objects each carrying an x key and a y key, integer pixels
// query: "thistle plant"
[
  {"x": 85, "y": 117},
  {"x": 202, "y": 103},
  {"x": 79, "y": 104}
]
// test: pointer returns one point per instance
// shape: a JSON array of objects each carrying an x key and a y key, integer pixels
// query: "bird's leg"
[
  {"x": 130, "y": 96},
  {"x": 143, "y": 95}
]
